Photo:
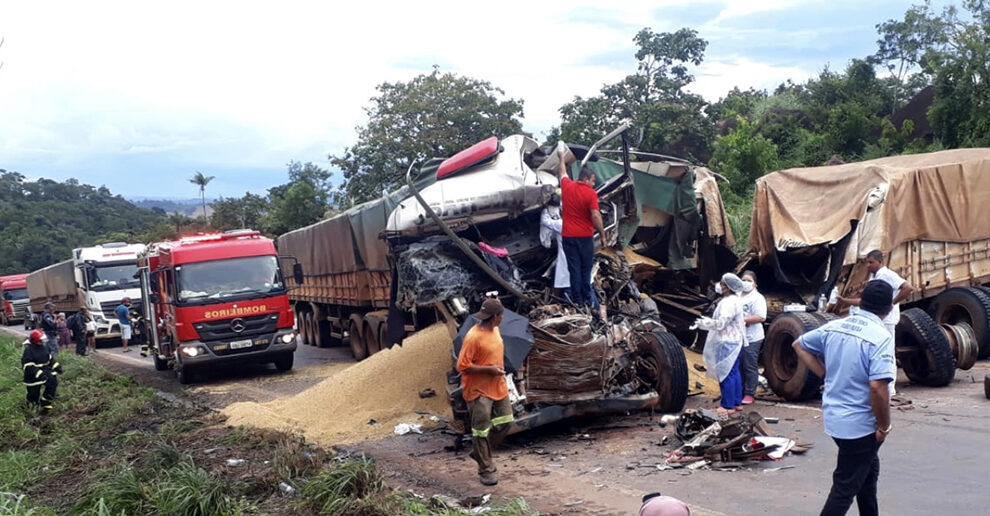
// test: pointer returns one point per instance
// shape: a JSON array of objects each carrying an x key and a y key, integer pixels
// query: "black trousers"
[
  {"x": 856, "y": 472},
  {"x": 34, "y": 396},
  {"x": 80, "y": 341},
  {"x": 580, "y": 254}
]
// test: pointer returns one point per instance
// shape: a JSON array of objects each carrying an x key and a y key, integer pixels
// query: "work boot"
[
  {"x": 46, "y": 408},
  {"x": 489, "y": 479},
  {"x": 144, "y": 351}
]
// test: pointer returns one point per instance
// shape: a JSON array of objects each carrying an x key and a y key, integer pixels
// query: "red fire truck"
[
  {"x": 216, "y": 298},
  {"x": 13, "y": 298}
]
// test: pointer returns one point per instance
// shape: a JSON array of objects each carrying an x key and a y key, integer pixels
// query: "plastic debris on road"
[{"x": 405, "y": 428}]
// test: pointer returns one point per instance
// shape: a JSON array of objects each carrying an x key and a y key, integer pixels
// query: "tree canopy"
[{"x": 434, "y": 114}]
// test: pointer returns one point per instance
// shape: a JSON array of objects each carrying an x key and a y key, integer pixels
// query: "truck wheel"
[
  {"x": 986, "y": 386},
  {"x": 383, "y": 335},
  {"x": 787, "y": 376},
  {"x": 314, "y": 337},
  {"x": 323, "y": 337},
  {"x": 284, "y": 362},
  {"x": 968, "y": 305},
  {"x": 183, "y": 374},
  {"x": 930, "y": 362},
  {"x": 160, "y": 364},
  {"x": 358, "y": 349},
  {"x": 370, "y": 334},
  {"x": 824, "y": 317},
  {"x": 661, "y": 364},
  {"x": 302, "y": 326}
]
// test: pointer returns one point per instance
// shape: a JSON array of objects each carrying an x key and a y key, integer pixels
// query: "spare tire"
[
  {"x": 788, "y": 377},
  {"x": 965, "y": 304},
  {"x": 932, "y": 362},
  {"x": 986, "y": 386},
  {"x": 661, "y": 364}
]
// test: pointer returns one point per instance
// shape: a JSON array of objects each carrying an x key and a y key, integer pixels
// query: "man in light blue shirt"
[{"x": 855, "y": 356}]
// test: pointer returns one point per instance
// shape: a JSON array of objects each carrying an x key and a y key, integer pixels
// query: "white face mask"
[
  {"x": 718, "y": 288},
  {"x": 748, "y": 286}
]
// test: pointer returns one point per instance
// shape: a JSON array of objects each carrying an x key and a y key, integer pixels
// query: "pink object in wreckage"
[{"x": 501, "y": 252}]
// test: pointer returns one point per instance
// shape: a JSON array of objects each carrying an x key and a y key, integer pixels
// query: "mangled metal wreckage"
[{"x": 470, "y": 227}]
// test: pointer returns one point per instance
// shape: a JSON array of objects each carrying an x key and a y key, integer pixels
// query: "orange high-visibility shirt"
[{"x": 482, "y": 348}]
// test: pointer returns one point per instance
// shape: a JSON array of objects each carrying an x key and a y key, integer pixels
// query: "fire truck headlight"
[
  {"x": 191, "y": 351},
  {"x": 288, "y": 338}
]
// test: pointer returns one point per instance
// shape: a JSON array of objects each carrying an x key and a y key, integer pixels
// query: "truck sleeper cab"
[{"x": 216, "y": 299}]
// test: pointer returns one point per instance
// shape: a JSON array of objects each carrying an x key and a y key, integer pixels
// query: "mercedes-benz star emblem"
[{"x": 237, "y": 325}]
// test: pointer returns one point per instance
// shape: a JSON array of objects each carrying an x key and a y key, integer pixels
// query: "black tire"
[
  {"x": 933, "y": 364},
  {"x": 301, "y": 325},
  {"x": 355, "y": 339},
  {"x": 786, "y": 375},
  {"x": 825, "y": 317},
  {"x": 986, "y": 386},
  {"x": 383, "y": 335},
  {"x": 985, "y": 290},
  {"x": 183, "y": 374},
  {"x": 323, "y": 337},
  {"x": 284, "y": 362},
  {"x": 965, "y": 304},
  {"x": 663, "y": 365},
  {"x": 160, "y": 364},
  {"x": 370, "y": 334}
]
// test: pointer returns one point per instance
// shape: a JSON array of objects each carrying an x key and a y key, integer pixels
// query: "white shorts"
[{"x": 125, "y": 331}]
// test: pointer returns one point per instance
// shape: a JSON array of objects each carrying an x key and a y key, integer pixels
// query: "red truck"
[
  {"x": 216, "y": 299},
  {"x": 13, "y": 299}
]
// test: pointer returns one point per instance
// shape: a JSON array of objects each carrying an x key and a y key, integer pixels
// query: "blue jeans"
[
  {"x": 580, "y": 253},
  {"x": 731, "y": 387},
  {"x": 751, "y": 367}
]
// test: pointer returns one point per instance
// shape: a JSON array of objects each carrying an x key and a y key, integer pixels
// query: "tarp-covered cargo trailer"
[
  {"x": 57, "y": 284},
  {"x": 812, "y": 229}
]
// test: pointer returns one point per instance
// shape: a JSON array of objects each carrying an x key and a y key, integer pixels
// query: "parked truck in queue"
[
  {"x": 13, "y": 299},
  {"x": 216, "y": 299},
  {"x": 97, "y": 277}
]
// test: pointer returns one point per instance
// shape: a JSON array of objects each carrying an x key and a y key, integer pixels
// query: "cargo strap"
[
  {"x": 481, "y": 433},
  {"x": 501, "y": 420}
]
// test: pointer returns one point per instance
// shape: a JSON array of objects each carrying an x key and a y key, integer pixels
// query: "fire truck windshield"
[
  {"x": 112, "y": 277},
  {"x": 15, "y": 294},
  {"x": 208, "y": 282}
]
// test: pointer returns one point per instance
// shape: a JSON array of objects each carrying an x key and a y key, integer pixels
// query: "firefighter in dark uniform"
[{"x": 40, "y": 370}]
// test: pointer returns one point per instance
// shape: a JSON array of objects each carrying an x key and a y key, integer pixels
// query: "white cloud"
[{"x": 716, "y": 78}]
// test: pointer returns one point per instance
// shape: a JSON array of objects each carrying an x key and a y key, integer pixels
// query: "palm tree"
[{"x": 201, "y": 180}]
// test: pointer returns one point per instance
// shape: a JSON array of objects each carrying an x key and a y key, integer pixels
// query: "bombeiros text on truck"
[{"x": 216, "y": 299}]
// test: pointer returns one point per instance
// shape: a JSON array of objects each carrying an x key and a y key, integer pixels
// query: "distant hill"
[
  {"x": 188, "y": 207},
  {"x": 42, "y": 221}
]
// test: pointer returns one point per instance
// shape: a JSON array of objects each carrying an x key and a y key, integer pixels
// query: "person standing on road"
[
  {"x": 901, "y": 290},
  {"x": 482, "y": 366},
  {"x": 90, "y": 335},
  {"x": 49, "y": 325},
  {"x": 754, "y": 312},
  {"x": 77, "y": 326},
  {"x": 855, "y": 357},
  {"x": 581, "y": 218},
  {"x": 40, "y": 370},
  {"x": 726, "y": 337},
  {"x": 123, "y": 311}
]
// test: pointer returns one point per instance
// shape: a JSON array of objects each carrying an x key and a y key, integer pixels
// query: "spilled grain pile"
[{"x": 384, "y": 387}]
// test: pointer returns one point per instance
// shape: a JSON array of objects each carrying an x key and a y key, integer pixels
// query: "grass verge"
[{"x": 111, "y": 447}]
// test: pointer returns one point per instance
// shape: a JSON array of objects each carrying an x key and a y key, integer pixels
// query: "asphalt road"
[{"x": 935, "y": 462}]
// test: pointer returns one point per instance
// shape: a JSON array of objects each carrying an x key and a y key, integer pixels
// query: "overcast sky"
[{"x": 139, "y": 95}]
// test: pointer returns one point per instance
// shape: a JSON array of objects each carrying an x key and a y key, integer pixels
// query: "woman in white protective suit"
[
  {"x": 551, "y": 223},
  {"x": 726, "y": 338}
]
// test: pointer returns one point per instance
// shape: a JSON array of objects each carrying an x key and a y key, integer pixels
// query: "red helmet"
[{"x": 36, "y": 336}]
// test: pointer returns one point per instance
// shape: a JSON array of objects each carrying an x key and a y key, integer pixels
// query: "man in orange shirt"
[{"x": 482, "y": 367}]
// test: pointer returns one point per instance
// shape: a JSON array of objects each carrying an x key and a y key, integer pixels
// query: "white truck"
[{"x": 103, "y": 276}]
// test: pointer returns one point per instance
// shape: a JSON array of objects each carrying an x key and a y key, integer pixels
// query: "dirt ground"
[{"x": 935, "y": 460}]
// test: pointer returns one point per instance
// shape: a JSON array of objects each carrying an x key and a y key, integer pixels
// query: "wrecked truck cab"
[{"x": 475, "y": 229}]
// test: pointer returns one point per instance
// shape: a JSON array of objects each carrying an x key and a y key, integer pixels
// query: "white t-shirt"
[
  {"x": 754, "y": 304},
  {"x": 91, "y": 326},
  {"x": 895, "y": 282}
]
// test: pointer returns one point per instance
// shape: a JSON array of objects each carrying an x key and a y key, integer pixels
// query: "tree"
[
  {"x": 654, "y": 97},
  {"x": 742, "y": 156},
  {"x": 432, "y": 115},
  {"x": 201, "y": 180},
  {"x": 299, "y": 206},
  {"x": 237, "y": 213}
]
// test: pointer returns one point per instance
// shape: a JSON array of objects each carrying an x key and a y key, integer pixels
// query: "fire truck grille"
[{"x": 237, "y": 328}]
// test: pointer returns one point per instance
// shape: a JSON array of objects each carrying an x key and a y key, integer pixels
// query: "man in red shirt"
[
  {"x": 481, "y": 363},
  {"x": 581, "y": 216}
]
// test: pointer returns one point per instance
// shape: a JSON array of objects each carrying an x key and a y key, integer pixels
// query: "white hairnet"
[{"x": 733, "y": 282}]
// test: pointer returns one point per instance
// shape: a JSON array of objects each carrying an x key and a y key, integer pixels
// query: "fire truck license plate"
[{"x": 240, "y": 344}]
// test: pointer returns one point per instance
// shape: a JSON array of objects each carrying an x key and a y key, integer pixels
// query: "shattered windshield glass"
[
  {"x": 207, "y": 282},
  {"x": 112, "y": 277}
]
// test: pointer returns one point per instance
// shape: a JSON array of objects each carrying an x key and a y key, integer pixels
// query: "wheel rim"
[{"x": 962, "y": 340}]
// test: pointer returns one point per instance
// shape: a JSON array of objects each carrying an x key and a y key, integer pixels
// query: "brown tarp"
[
  {"x": 935, "y": 196},
  {"x": 367, "y": 223},
  {"x": 715, "y": 216},
  {"x": 326, "y": 247}
]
